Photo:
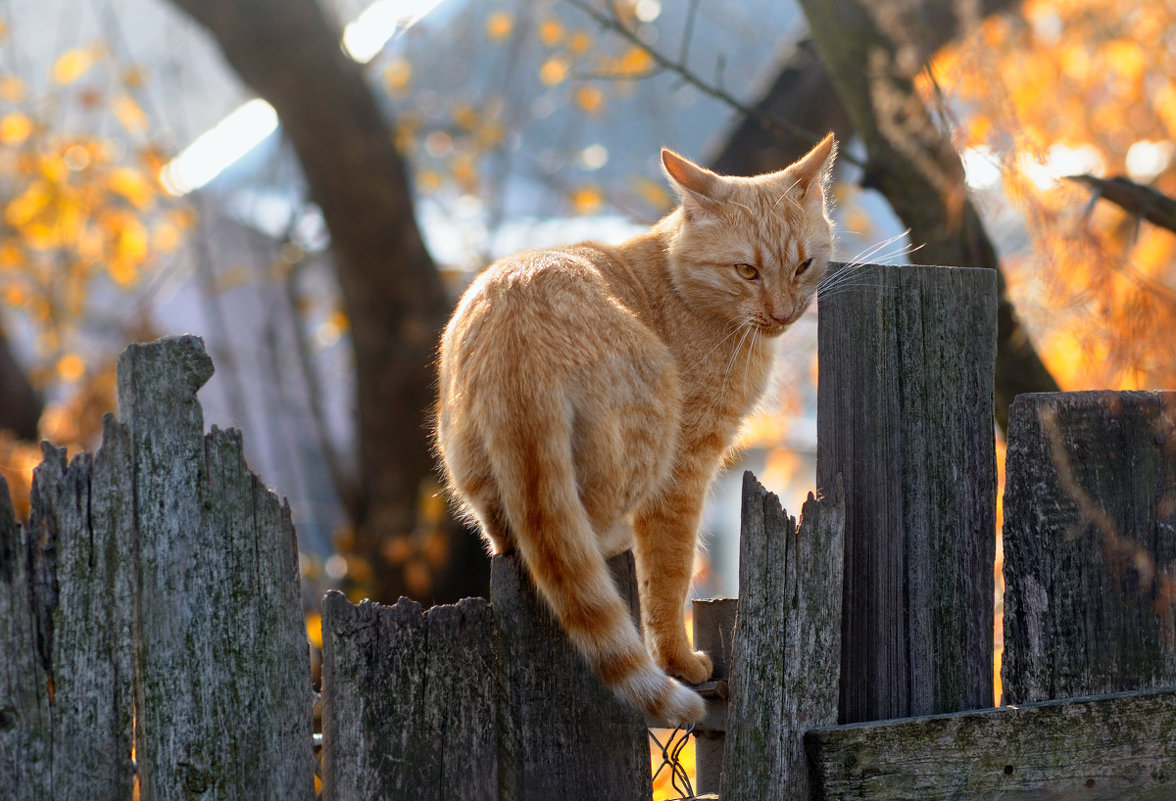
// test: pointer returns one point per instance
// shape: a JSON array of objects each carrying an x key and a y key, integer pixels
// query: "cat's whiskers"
[
  {"x": 748, "y": 327},
  {"x": 735, "y": 330},
  {"x": 848, "y": 277}
]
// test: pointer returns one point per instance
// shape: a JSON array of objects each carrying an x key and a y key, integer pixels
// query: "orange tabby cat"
[{"x": 589, "y": 393}]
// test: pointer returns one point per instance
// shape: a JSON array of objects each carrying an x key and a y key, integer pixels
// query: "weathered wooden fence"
[{"x": 152, "y": 599}]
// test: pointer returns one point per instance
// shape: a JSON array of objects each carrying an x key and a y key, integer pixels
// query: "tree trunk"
[
  {"x": 288, "y": 51},
  {"x": 803, "y": 90},
  {"x": 20, "y": 406},
  {"x": 913, "y": 163}
]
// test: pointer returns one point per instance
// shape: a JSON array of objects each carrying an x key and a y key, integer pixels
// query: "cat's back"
[{"x": 544, "y": 304}]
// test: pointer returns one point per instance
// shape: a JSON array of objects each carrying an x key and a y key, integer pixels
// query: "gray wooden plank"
[
  {"x": 222, "y": 685},
  {"x": 409, "y": 701},
  {"x": 905, "y": 409},
  {"x": 1109, "y": 748},
  {"x": 1089, "y": 544},
  {"x": 65, "y": 627},
  {"x": 25, "y": 715},
  {"x": 88, "y": 615},
  {"x": 563, "y": 733},
  {"x": 784, "y": 665}
]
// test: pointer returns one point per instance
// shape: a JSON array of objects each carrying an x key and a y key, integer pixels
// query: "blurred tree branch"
[
  {"x": 914, "y": 164},
  {"x": 1143, "y": 202},
  {"x": 803, "y": 86},
  {"x": 288, "y": 52}
]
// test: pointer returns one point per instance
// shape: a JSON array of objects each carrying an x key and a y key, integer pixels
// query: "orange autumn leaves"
[
  {"x": 76, "y": 207},
  {"x": 1072, "y": 87}
]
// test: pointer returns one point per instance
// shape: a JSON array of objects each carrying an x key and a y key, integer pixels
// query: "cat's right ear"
[{"x": 696, "y": 186}]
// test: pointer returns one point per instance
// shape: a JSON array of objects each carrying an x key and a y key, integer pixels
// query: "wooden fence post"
[
  {"x": 905, "y": 417},
  {"x": 714, "y": 633},
  {"x": 66, "y": 582},
  {"x": 160, "y": 569},
  {"x": 222, "y": 666},
  {"x": 784, "y": 666},
  {"x": 1089, "y": 544},
  {"x": 409, "y": 701},
  {"x": 65, "y": 725},
  {"x": 562, "y": 733}
]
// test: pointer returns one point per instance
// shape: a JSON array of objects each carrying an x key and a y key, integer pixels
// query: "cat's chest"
[{"x": 728, "y": 380}]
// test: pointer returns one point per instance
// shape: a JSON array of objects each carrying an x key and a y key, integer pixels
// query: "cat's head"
[{"x": 752, "y": 250}]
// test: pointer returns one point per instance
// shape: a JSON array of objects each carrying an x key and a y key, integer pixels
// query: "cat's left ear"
[
  {"x": 696, "y": 186},
  {"x": 812, "y": 172}
]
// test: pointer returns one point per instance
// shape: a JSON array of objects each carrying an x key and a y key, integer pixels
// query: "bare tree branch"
[
  {"x": 778, "y": 125},
  {"x": 916, "y": 167},
  {"x": 1141, "y": 201}
]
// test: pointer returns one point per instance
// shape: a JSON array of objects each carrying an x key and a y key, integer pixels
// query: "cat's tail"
[{"x": 534, "y": 470}]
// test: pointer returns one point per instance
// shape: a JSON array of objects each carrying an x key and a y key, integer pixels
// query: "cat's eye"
[
  {"x": 804, "y": 265},
  {"x": 747, "y": 271}
]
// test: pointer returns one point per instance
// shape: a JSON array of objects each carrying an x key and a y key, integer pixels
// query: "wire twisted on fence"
[{"x": 671, "y": 752}]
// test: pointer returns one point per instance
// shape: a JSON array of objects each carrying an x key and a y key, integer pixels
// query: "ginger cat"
[{"x": 588, "y": 395}]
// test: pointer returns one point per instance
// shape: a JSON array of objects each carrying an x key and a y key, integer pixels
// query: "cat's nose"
[{"x": 783, "y": 318}]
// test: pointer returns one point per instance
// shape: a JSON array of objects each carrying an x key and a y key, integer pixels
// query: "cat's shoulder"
[{"x": 546, "y": 266}]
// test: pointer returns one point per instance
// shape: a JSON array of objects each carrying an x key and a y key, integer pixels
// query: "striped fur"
[{"x": 589, "y": 393}]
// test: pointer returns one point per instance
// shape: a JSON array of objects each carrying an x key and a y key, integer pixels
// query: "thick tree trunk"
[
  {"x": 803, "y": 91},
  {"x": 20, "y": 405},
  {"x": 913, "y": 163},
  {"x": 288, "y": 51}
]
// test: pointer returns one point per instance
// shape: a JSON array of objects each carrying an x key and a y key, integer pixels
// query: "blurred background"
[{"x": 309, "y": 184}]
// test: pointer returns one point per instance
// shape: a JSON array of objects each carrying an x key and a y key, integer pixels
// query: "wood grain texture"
[
  {"x": 65, "y": 601},
  {"x": 221, "y": 658},
  {"x": 1089, "y": 544},
  {"x": 563, "y": 734},
  {"x": 1108, "y": 748},
  {"x": 409, "y": 701},
  {"x": 784, "y": 666},
  {"x": 905, "y": 411},
  {"x": 25, "y": 714}
]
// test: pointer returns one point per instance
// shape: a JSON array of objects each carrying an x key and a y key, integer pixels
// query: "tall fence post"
[
  {"x": 222, "y": 690},
  {"x": 905, "y": 417},
  {"x": 787, "y": 642},
  {"x": 562, "y": 733},
  {"x": 161, "y": 569},
  {"x": 1089, "y": 544}
]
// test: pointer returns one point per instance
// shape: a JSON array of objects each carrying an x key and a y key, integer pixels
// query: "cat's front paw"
[{"x": 692, "y": 667}]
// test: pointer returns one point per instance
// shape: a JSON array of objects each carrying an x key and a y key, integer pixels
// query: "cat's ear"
[
  {"x": 812, "y": 172},
  {"x": 696, "y": 186}
]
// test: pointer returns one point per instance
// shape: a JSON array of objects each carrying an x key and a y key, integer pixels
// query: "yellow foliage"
[
  {"x": 15, "y": 128},
  {"x": 578, "y": 43},
  {"x": 73, "y": 64},
  {"x": 133, "y": 185},
  {"x": 12, "y": 89},
  {"x": 397, "y": 75},
  {"x": 551, "y": 32},
  {"x": 1069, "y": 91},
  {"x": 634, "y": 62},
  {"x": 554, "y": 70},
  {"x": 586, "y": 199},
  {"x": 499, "y": 25},
  {"x": 71, "y": 367},
  {"x": 132, "y": 117},
  {"x": 652, "y": 192},
  {"x": 590, "y": 99}
]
